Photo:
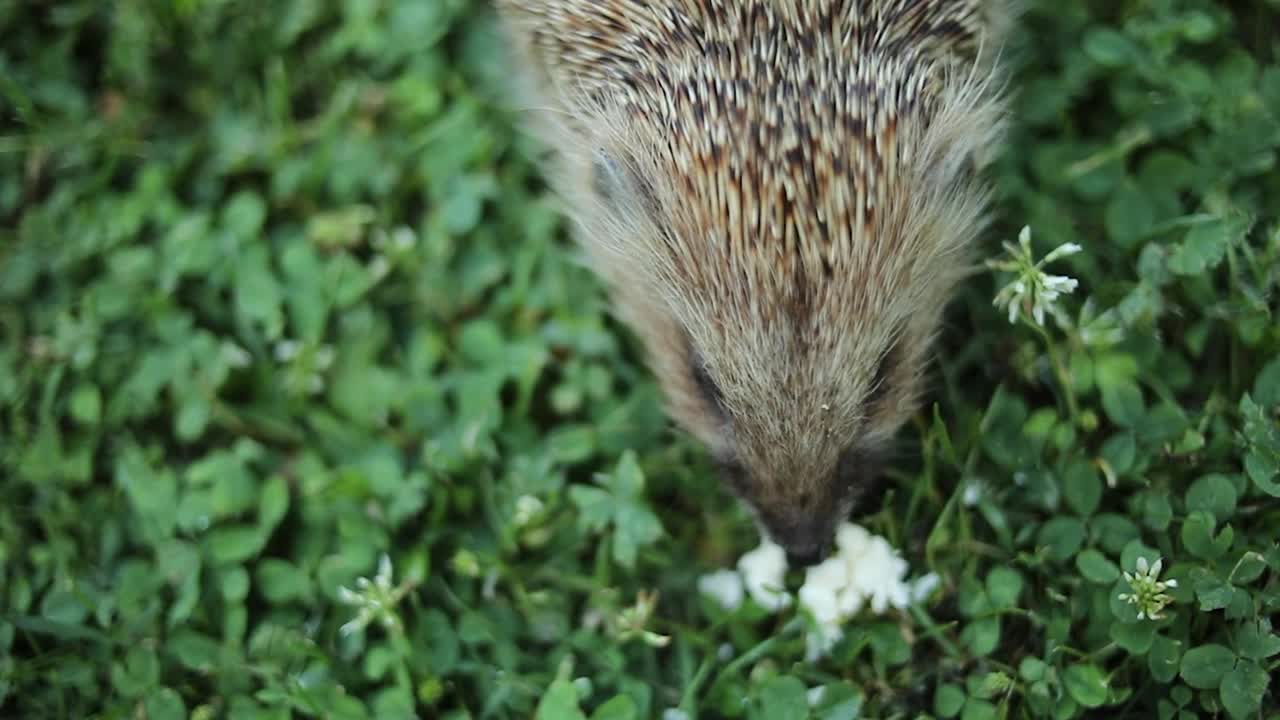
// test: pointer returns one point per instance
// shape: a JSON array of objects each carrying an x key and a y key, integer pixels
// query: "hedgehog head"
[{"x": 780, "y": 204}]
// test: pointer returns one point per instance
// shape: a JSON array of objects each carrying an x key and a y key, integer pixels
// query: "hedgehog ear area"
[
  {"x": 706, "y": 386},
  {"x": 606, "y": 177},
  {"x": 732, "y": 473},
  {"x": 617, "y": 181},
  {"x": 954, "y": 168},
  {"x": 728, "y": 465}
]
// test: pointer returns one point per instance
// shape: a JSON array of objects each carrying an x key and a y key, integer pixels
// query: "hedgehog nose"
[
  {"x": 806, "y": 540},
  {"x": 806, "y": 556},
  {"x": 805, "y": 548}
]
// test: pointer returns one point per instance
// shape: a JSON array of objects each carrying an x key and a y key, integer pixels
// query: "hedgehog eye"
[
  {"x": 846, "y": 475},
  {"x": 615, "y": 182},
  {"x": 733, "y": 473},
  {"x": 858, "y": 475},
  {"x": 706, "y": 386}
]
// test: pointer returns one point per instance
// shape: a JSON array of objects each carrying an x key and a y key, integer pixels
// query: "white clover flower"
[
  {"x": 762, "y": 571},
  {"x": 973, "y": 492},
  {"x": 1032, "y": 291},
  {"x": 528, "y": 507},
  {"x": 379, "y": 267},
  {"x": 287, "y": 350},
  {"x": 631, "y": 623},
  {"x": 307, "y": 366},
  {"x": 1148, "y": 592},
  {"x": 324, "y": 357},
  {"x": 403, "y": 238},
  {"x": 375, "y": 599},
  {"x": 723, "y": 586}
]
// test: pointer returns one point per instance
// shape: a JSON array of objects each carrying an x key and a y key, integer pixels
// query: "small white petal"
[
  {"x": 924, "y": 586},
  {"x": 1058, "y": 284},
  {"x": 384, "y": 572},
  {"x": 287, "y": 350},
  {"x": 1064, "y": 250}
]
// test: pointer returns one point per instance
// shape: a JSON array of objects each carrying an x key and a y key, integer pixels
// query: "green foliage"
[{"x": 281, "y": 293}]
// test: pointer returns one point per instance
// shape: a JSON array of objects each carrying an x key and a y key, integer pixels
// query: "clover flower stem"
[
  {"x": 793, "y": 626},
  {"x": 934, "y": 631},
  {"x": 1131, "y": 141},
  {"x": 1078, "y": 654},
  {"x": 1102, "y": 653},
  {"x": 1060, "y": 371},
  {"x": 689, "y": 698}
]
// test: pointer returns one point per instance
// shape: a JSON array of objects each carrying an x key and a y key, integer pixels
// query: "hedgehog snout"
[{"x": 806, "y": 541}]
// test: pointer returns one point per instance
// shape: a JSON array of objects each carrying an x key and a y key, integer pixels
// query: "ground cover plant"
[{"x": 307, "y": 408}]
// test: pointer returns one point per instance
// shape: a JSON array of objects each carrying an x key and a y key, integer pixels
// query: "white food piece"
[
  {"x": 763, "y": 570},
  {"x": 864, "y": 572}
]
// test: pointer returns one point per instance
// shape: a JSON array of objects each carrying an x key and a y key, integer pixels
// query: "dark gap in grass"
[
  {"x": 89, "y": 50},
  {"x": 309, "y": 92}
]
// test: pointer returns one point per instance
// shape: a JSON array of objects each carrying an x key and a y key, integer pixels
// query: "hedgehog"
[{"x": 780, "y": 196}]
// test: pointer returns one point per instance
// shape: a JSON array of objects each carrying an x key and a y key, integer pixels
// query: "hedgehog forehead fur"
[{"x": 780, "y": 194}]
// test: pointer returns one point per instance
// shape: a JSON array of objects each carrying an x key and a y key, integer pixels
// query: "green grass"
[{"x": 281, "y": 292}]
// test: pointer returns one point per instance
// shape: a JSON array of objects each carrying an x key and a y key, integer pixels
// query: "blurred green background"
[{"x": 283, "y": 294}]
